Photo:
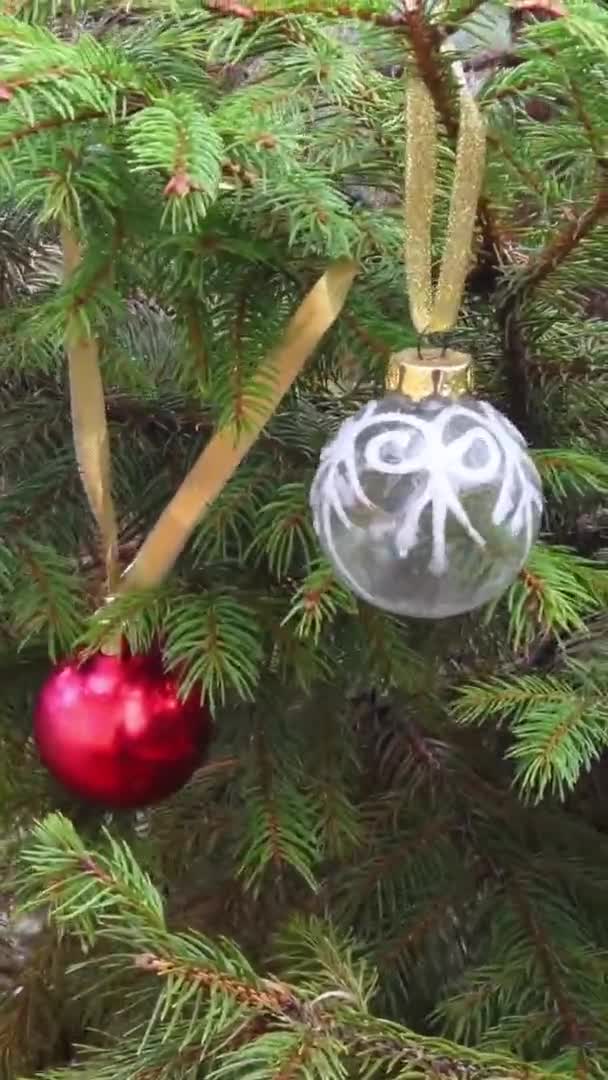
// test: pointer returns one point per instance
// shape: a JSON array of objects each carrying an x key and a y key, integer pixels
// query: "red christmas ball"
[{"x": 114, "y": 731}]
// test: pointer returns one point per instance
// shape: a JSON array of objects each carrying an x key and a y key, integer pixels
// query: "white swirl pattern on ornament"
[{"x": 338, "y": 487}]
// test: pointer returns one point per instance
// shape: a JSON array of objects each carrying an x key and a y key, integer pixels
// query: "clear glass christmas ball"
[{"x": 427, "y": 508}]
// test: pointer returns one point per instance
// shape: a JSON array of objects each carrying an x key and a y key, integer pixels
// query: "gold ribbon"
[
  {"x": 435, "y": 314},
  {"x": 227, "y": 448},
  {"x": 222, "y": 455},
  {"x": 89, "y": 426}
]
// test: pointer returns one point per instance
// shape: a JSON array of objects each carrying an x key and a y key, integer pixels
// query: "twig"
[
  {"x": 439, "y": 911},
  {"x": 515, "y": 354},
  {"x": 594, "y": 138},
  {"x": 516, "y": 369},
  {"x": 558, "y": 249},
  {"x": 267, "y": 786},
  {"x": 269, "y": 997},
  {"x": 463, "y": 14},
  {"x": 341, "y": 11},
  {"x": 380, "y": 866},
  {"x": 549, "y": 966},
  {"x": 48, "y": 125},
  {"x": 230, "y": 169},
  {"x": 425, "y": 41}
]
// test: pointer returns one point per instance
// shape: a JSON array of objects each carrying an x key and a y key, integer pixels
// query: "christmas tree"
[{"x": 392, "y": 859}]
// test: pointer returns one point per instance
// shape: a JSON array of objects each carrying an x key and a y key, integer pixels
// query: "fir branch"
[
  {"x": 234, "y": 9},
  {"x": 516, "y": 367},
  {"x": 425, "y": 40},
  {"x": 284, "y": 534},
  {"x": 595, "y": 139},
  {"x": 406, "y": 1056},
  {"x": 317, "y": 602},
  {"x": 553, "y": 747},
  {"x": 562, "y": 246},
  {"x": 175, "y": 137},
  {"x": 268, "y": 997},
  {"x": 332, "y": 1003},
  {"x": 49, "y": 124},
  {"x": 47, "y": 598},
  {"x": 197, "y": 342},
  {"x": 549, "y": 964},
  {"x": 279, "y": 831},
  {"x": 434, "y": 914},
  {"x": 368, "y": 875},
  {"x": 460, "y": 13},
  {"x": 370, "y": 342},
  {"x": 553, "y": 595},
  {"x": 267, "y": 790},
  {"x": 569, "y": 471},
  {"x": 496, "y": 697},
  {"x": 214, "y": 643},
  {"x": 66, "y": 872},
  {"x": 558, "y": 724}
]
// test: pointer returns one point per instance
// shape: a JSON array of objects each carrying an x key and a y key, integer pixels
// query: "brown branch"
[
  {"x": 425, "y": 41},
  {"x": 516, "y": 371},
  {"x": 50, "y": 124},
  {"x": 535, "y": 587},
  {"x": 434, "y": 916},
  {"x": 594, "y": 138},
  {"x": 516, "y": 363},
  {"x": 40, "y": 578},
  {"x": 463, "y": 14},
  {"x": 236, "y": 10},
  {"x": 104, "y": 271},
  {"x": 437, "y": 912},
  {"x": 375, "y": 345},
  {"x": 422, "y": 746},
  {"x": 268, "y": 996},
  {"x": 530, "y": 179},
  {"x": 568, "y": 239},
  {"x": 238, "y": 374},
  {"x": 548, "y": 963},
  {"x": 233, "y": 171},
  {"x": 313, "y": 597},
  {"x": 266, "y": 787},
  {"x": 367, "y": 1040},
  {"x": 496, "y": 58},
  {"x": 423, "y": 1057},
  {"x": 197, "y": 343},
  {"x": 230, "y": 169},
  {"x": 295, "y": 1063},
  {"x": 382, "y": 865}
]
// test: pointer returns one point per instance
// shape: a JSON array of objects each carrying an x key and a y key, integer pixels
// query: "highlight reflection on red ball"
[{"x": 114, "y": 731}]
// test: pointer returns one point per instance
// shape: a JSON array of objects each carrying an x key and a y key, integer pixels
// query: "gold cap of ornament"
[{"x": 419, "y": 373}]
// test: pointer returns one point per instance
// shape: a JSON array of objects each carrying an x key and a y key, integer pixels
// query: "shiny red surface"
[{"x": 114, "y": 731}]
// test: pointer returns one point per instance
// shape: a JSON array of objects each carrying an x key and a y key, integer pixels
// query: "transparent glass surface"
[{"x": 427, "y": 509}]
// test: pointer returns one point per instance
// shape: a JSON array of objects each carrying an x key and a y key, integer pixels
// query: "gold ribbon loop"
[
  {"x": 227, "y": 448},
  {"x": 89, "y": 425},
  {"x": 439, "y": 314}
]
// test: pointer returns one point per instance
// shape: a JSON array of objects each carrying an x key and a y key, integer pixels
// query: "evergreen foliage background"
[{"x": 395, "y": 863}]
